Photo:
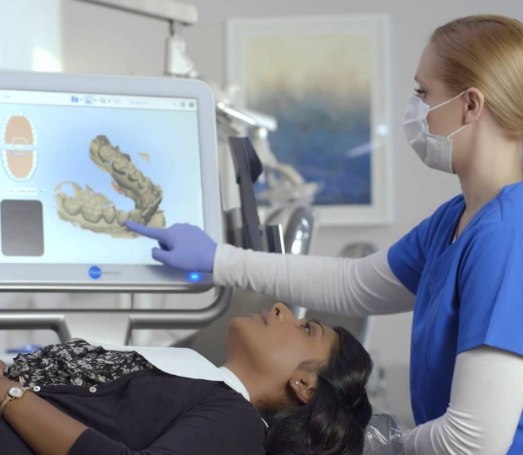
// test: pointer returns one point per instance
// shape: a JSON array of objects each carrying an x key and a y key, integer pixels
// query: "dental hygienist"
[{"x": 460, "y": 270}]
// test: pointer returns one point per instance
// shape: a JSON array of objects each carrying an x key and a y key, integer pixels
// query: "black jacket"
[{"x": 153, "y": 413}]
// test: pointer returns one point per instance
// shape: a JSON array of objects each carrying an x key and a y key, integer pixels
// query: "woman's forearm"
[
  {"x": 351, "y": 287},
  {"x": 44, "y": 428},
  {"x": 484, "y": 410}
]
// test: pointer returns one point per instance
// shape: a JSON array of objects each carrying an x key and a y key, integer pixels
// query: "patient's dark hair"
[{"x": 334, "y": 419}]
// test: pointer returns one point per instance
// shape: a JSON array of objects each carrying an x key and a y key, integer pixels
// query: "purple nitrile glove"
[{"x": 183, "y": 246}]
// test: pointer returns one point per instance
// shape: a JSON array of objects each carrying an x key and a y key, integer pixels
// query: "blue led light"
[{"x": 194, "y": 276}]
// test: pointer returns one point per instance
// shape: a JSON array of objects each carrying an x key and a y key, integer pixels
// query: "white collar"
[{"x": 234, "y": 382}]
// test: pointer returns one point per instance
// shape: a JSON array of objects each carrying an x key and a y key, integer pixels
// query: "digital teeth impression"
[{"x": 94, "y": 211}]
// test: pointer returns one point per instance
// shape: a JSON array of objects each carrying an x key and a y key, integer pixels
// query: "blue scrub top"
[{"x": 468, "y": 293}]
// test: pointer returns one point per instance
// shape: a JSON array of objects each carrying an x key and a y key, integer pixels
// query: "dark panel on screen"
[{"x": 22, "y": 228}]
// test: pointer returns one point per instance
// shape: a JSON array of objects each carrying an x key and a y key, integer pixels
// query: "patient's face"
[{"x": 276, "y": 342}]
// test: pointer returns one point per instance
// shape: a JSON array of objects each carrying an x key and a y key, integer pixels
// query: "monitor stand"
[{"x": 114, "y": 326}]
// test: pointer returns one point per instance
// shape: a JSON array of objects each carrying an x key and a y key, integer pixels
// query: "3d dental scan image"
[{"x": 91, "y": 210}]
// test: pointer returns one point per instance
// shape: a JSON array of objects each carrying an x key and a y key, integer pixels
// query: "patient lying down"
[{"x": 288, "y": 386}]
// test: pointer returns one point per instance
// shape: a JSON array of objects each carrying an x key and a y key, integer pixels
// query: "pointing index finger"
[{"x": 147, "y": 231}]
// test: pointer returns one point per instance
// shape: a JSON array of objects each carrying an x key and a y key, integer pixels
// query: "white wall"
[
  {"x": 30, "y": 35},
  {"x": 107, "y": 41}
]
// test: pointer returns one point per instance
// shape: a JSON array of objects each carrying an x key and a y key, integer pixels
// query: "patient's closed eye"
[
  {"x": 307, "y": 327},
  {"x": 314, "y": 327}
]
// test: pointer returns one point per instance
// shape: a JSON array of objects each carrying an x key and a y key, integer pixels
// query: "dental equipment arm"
[
  {"x": 170, "y": 10},
  {"x": 177, "y": 63},
  {"x": 484, "y": 410}
]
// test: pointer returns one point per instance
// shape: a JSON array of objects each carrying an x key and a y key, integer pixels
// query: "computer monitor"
[{"x": 81, "y": 154}]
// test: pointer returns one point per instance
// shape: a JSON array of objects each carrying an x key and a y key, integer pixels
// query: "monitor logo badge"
[
  {"x": 19, "y": 155},
  {"x": 95, "y": 272}
]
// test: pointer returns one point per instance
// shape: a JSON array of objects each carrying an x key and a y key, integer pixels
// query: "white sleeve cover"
[
  {"x": 486, "y": 403},
  {"x": 352, "y": 287}
]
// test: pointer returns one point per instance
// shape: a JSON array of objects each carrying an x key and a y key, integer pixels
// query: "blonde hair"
[{"x": 485, "y": 52}]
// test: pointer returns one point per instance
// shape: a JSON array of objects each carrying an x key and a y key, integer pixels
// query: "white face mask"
[{"x": 434, "y": 150}]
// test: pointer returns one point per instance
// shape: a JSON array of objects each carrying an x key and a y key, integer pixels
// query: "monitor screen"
[{"x": 82, "y": 154}]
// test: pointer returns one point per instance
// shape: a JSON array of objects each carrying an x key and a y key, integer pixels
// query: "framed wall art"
[{"x": 325, "y": 80}]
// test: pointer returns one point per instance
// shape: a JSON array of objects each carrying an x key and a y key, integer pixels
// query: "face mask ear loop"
[
  {"x": 447, "y": 101},
  {"x": 457, "y": 131}
]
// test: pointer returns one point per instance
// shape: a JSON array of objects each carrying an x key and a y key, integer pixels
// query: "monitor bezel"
[{"x": 144, "y": 278}]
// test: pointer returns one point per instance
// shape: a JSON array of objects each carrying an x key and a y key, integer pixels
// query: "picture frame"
[{"x": 325, "y": 79}]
